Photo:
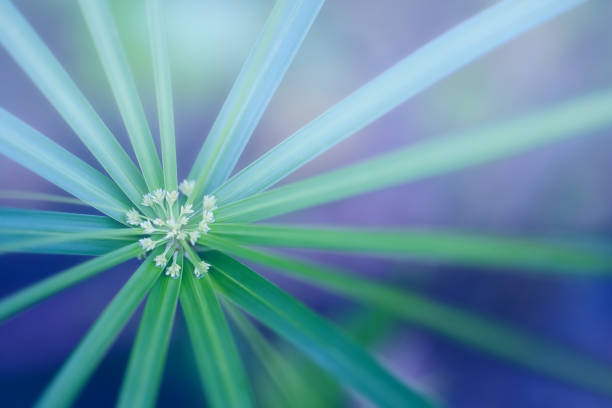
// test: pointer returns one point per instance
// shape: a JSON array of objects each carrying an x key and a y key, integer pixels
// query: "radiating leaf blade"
[
  {"x": 431, "y": 63},
  {"x": 221, "y": 371},
  {"x": 33, "y": 56},
  {"x": 323, "y": 343},
  {"x": 106, "y": 39},
  {"x": 44, "y": 157},
  {"x": 577, "y": 117},
  {"x": 259, "y": 77},
  {"x": 454, "y": 247},
  {"x": 81, "y": 364},
  {"x": 33, "y": 294},
  {"x": 163, "y": 90},
  {"x": 144, "y": 373},
  {"x": 480, "y": 333}
]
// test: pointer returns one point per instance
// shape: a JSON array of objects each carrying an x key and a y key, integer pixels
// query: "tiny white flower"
[
  {"x": 208, "y": 217},
  {"x": 161, "y": 261},
  {"x": 147, "y": 227},
  {"x": 182, "y": 221},
  {"x": 159, "y": 195},
  {"x": 171, "y": 197},
  {"x": 147, "y": 244},
  {"x": 209, "y": 203},
  {"x": 173, "y": 271},
  {"x": 201, "y": 269},
  {"x": 194, "y": 236},
  {"x": 186, "y": 209},
  {"x": 158, "y": 222},
  {"x": 147, "y": 200},
  {"x": 133, "y": 217},
  {"x": 181, "y": 234},
  {"x": 203, "y": 227},
  {"x": 187, "y": 187}
]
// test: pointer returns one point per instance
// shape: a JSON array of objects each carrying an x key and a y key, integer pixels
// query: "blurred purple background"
[{"x": 558, "y": 190}]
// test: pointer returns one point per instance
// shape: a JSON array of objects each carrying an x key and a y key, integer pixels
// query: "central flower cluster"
[{"x": 176, "y": 224}]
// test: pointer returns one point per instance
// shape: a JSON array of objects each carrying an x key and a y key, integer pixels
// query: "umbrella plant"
[{"x": 194, "y": 236}]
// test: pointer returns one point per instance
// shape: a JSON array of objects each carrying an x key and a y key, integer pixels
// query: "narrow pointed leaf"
[
  {"x": 163, "y": 90},
  {"x": 431, "y": 63},
  {"x": 35, "y": 196},
  {"x": 26, "y": 224},
  {"x": 53, "y": 221},
  {"x": 33, "y": 56},
  {"x": 476, "y": 332},
  {"x": 261, "y": 74},
  {"x": 578, "y": 117},
  {"x": 322, "y": 342},
  {"x": 221, "y": 371},
  {"x": 144, "y": 372},
  {"x": 546, "y": 255},
  {"x": 106, "y": 39},
  {"x": 50, "y": 239},
  {"x": 31, "y": 295},
  {"x": 44, "y": 157},
  {"x": 280, "y": 374},
  {"x": 81, "y": 364}
]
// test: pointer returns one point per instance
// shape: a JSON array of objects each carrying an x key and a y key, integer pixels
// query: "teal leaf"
[
  {"x": 321, "y": 341},
  {"x": 44, "y": 157},
  {"x": 575, "y": 118},
  {"x": 429, "y": 64},
  {"x": 261, "y": 74},
  {"x": 144, "y": 372},
  {"x": 33, "y": 294},
  {"x": 81, "y": 364},
  {"x": 106, "y": 39},
  {"x": 34, "y": 57},
  {"x": 453, "y": 247},
  {"x": 221, "y": 370},
  {"x": 163, "y": 90},
  {"x": 476, "y": 332}
]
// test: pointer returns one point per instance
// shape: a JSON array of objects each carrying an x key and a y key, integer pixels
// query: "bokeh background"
[{"x": 561, "y": 190}]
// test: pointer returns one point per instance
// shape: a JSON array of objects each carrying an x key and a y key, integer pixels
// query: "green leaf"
[
  {"x": 281, "y": 375},
  {"x": 25, "y": 224},
  {"x": 479, "y": 333},
  {"x": 545, "y": 255},
  {"x": 144, "y": 373},
  {"x": 429, "y": 64},
  {"x": 259, "y": 77},
  {"x": 33, "y": 294},
  {"x": 163, "y": 90},
  {"x": 29, "y": 51},
  {"x": 81, "y": 364},
  {"x": 35, "y": 196},
  {"x": 50, "y": 239},
  {"x": 221, "y": 371},
  {"x": 44, "y": 157},
  {"x": 106, "y": 39},
  {"x": 322, "y": 342},
  {"x": 432, "y": 157}
]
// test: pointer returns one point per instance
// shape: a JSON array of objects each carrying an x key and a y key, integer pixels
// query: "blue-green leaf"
[
  {"x": 261, "y": 73},
  {"x": 480, "y": 333},
  {"x": 163, "y": 90},
  {"x": 106, "y": 39},
  {"x": 541, "y": 254},
  {"x": 575, "y": 118},
  {"x": 323, "y": 343},
  {"x": 44, "y": 157},
  {"x": 81, "y": 364},
  {"x": 31, "y": 295},
  {"x": 33, "y": 56},
  {"x": 144, "y": 372},
  {"x": 221, "y": 370},
  {"x": 431, "y": 63}
]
